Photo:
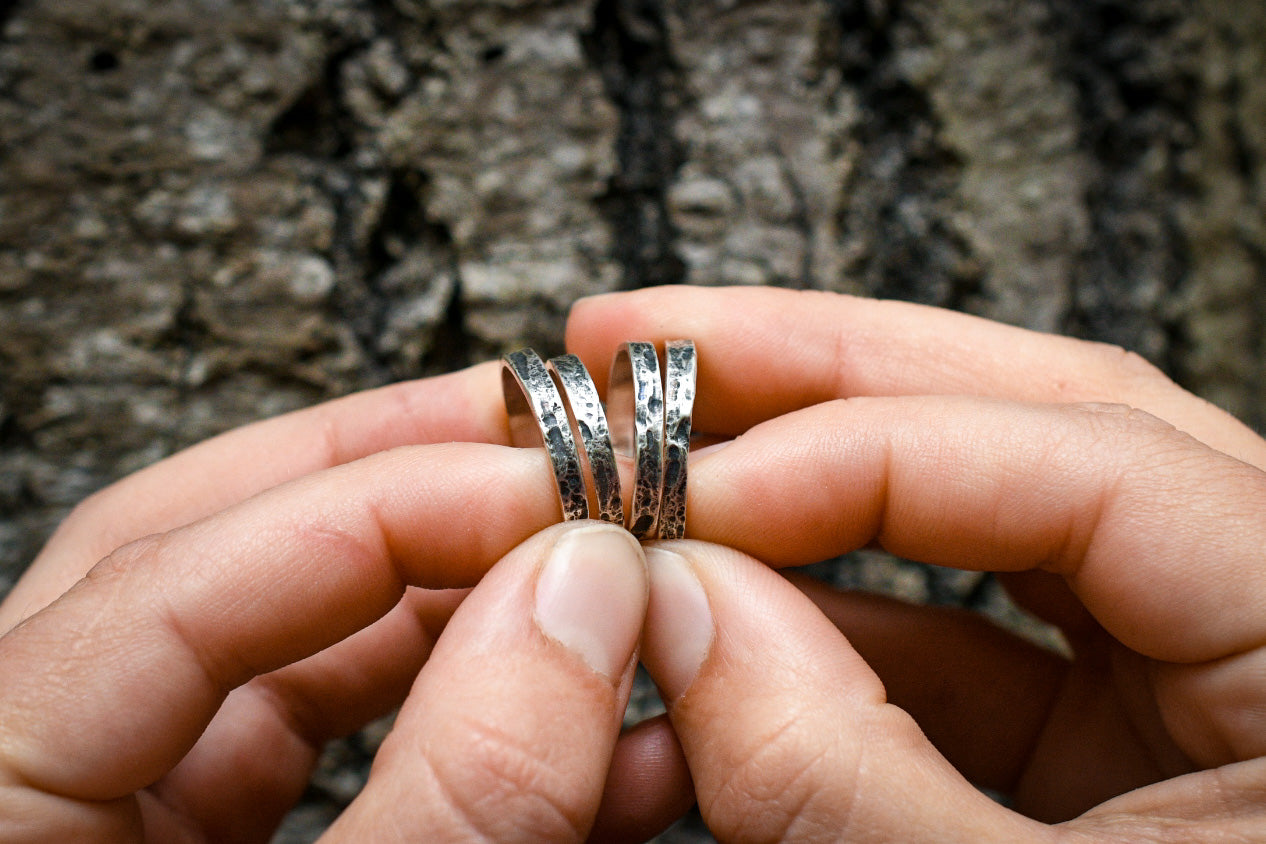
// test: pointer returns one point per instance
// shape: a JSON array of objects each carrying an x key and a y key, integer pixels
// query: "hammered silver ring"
[
  {"x": 635, "y": 394},
  {"x": 681, "y": 373},
  {"x": 538, "y": 417},
  {"x": 647, "y": 418},
  {"x": 589, "y": 422}
]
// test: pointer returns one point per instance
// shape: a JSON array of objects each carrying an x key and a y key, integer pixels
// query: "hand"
[
  {"x": 959, "y": 442},
  {"x": 263, "y": 598},
  {"x": 62, "y": 753}
]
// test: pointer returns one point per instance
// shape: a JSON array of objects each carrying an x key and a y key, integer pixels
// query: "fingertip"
[
  {"x": 776, "y": 724},
  {"x": 597, "y": 324},
  {"x": 518, "y": 709},
  {"x": 586, "y": 304},
  {"x": 679, "y": 625},
  {"x": 598, "y": 309},
  {"x": 591, "y": 595}
]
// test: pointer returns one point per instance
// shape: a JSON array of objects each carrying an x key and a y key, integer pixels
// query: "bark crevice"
[
  {"x": 902, "y": 188},
  {"x": 628, "y": 44}
]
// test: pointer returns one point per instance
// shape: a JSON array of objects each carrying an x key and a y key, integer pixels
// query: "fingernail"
[
  {"x": 591, "y": 596},
  {"x": 679, "y": 630}
]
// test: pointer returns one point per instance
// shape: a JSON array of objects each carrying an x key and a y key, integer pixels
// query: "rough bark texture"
[{"x": 213, "y": 211}]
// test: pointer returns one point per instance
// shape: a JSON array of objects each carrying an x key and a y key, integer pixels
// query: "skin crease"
[{"x": 314, "y": 571}]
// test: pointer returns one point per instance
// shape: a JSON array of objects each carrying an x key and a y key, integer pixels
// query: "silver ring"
[
  {"x": 681, "y": 374},
  {"x": 635, "y": 403},
  {"x": 539, "y": 417},
  {"x": 584, "y": 411}
]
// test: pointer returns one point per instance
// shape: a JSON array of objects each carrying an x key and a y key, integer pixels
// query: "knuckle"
[
  {"x": 361, "y": 544},
  {"x": 502, "y": 787},
  {"x": 1119, "y": 420},
  {"x": 1134, "y": 452},
  {"x": 128, "y": 556},
  {"x": 1114, "y": 424},
  {"x": 1124, "y": 429}
]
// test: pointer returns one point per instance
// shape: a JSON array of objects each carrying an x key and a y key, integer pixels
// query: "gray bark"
[{"x": 212, "y": 211}]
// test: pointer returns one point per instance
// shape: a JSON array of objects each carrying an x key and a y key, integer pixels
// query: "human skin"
[
  {"x": 192, "y": 635},
  {"x": 1114, "y": 505},
  {"x": 286, "y": 583}
]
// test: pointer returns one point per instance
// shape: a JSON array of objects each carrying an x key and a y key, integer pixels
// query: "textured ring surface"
[
  {"x": 584, "y": 410},
  {"x": 635, "y": 404},
  {"x": 681, "y": 373},
  {"x": 538, "y": 416}
]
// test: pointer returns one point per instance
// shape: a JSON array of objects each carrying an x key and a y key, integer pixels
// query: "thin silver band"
[
  {"x": 584, "y": 410},
  {"x": 539, "y": 417},
  {"x": 635, "y": 404},
  {"x": 681, "y": 373}
]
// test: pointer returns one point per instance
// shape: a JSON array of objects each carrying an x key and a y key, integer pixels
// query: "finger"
[
  {"x": 784, "y": 727},
  {"x": 764, "y": 352},
  {"x": 204, "y": 479},
  {"x": 225, "y": 788},
  {"x": 648, "y": 786},
  {"x": 980, "y": 694},
  {"x": 510, "y": 728},
  {"x": 1055, "y": 737},
  {"x": 149, "y": 644},
  {"x": 1223, "y": 804},
  {"x": 1090, "y": 493}
]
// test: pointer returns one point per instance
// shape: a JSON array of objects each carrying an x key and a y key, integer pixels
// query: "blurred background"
[{"x": 213, "y": 211}]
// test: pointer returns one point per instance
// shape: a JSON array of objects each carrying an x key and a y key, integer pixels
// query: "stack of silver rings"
[{"x": 556, "y": 404}]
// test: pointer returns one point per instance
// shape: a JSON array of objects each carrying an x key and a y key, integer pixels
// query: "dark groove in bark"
[
  {"x": 401, "y": 222},
  {"x": 904, "y": 180},
  {"x": 1130, "y": 95},
  {"x": 8, "y": 8},
  {"x": 800, "y": 218},
  {"x": 628, "y": 44},
  {"x": 453, "y": 346},
  {"x": 316, "y": 125},
  {"x": 1246, "y": 168}
]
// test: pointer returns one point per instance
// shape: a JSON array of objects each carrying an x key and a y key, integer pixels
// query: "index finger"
[
  {"x": 201, "y": 480},
  {"x": 106, "y": 689},
  {"x": 1159, "y": 535},
  {"x": 765, "y": 351}
]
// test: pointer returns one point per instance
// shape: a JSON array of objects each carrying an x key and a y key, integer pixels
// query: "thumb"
[
  {"x": 509, "y": 730},
  {"x": 785, "y": 728}
]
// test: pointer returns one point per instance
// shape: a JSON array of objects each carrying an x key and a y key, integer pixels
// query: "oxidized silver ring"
[
  {"x": 681, "y": 373},
  {"x": 539, "y": 416},
  {"x": 584, "y": 411},
  {"x": 635, "y": 401}
]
